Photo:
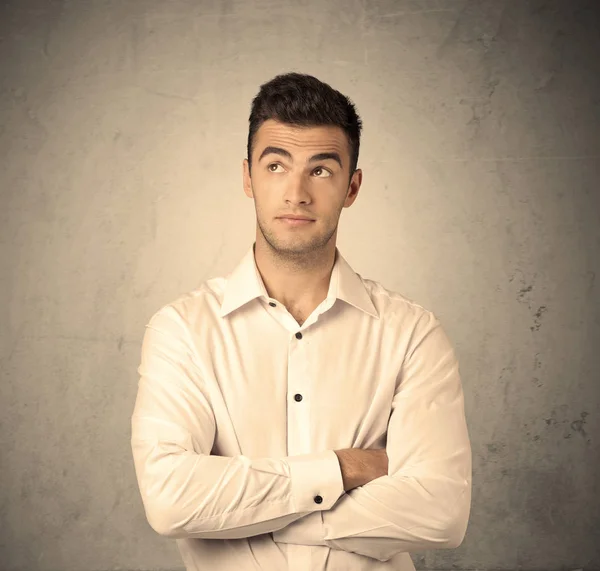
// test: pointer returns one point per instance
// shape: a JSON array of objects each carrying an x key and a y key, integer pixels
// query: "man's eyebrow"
[{"x": 313, "y": 159}]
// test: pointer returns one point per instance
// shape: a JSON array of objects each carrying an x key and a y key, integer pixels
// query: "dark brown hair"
[{"x": 300, "y": 99}]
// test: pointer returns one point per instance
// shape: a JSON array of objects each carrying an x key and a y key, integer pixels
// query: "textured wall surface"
[{"x": 123, "y": 127}]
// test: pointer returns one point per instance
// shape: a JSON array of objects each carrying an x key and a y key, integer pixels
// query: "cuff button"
[{"x": 318, "y": 499}]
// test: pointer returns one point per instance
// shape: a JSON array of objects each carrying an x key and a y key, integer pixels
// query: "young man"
[{"x": 295, "y": 415}]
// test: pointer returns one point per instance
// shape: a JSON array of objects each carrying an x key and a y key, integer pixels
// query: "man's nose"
[{"x": 297, "y": 189}]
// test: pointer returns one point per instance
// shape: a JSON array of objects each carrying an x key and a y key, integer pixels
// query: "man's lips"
[{"x": 295, "y": 221}]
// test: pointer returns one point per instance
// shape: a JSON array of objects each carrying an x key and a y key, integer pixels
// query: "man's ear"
[{"x": 247, "y": 182}]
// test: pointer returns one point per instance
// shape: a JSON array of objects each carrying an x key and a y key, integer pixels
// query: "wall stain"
[
  {"x": 528, "y": 433},
  {"x": 524, "y": 297},
  {"x": 536, "y": 365},
  {"x": 538, "y": 315},
  {"x": 495, "y": 447},
  {"x": 507, "y": 380},
  {"x": 523, "y": 292},
  {"x": 575, "y": 425}
]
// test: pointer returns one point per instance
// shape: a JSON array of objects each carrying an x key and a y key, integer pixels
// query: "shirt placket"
[{"x": 298, "y": 425}]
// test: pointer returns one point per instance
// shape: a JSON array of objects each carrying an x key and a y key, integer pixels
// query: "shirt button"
[
  {"x": 298, "y": 335},
  {"x": 271, "y": 304},
  {"x": 298, "y": 397},
  {"x": 318, "y": 499}
]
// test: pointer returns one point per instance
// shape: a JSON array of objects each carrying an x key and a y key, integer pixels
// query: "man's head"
[{"x": 303, "y": 147}]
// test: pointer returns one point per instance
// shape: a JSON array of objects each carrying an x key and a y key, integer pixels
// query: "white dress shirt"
[{"x": 239, "y": 410}]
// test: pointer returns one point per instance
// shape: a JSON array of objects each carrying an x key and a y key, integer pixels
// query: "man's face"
[{"x": 295, "y": 184}]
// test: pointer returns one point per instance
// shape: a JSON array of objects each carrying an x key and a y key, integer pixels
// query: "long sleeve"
[
  {"x": 188, "y": 493},
  {"x": 424, "y": 501}
]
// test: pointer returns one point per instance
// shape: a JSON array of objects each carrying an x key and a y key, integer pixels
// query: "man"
[{"x": 295, "y": 415}]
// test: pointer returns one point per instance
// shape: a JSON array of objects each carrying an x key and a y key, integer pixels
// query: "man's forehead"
[{"x": 330, "y": 135}]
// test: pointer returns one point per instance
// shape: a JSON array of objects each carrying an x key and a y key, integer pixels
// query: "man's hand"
[
  {"x": 361, "y": 466},
  {"x": 358, "y": 468}
]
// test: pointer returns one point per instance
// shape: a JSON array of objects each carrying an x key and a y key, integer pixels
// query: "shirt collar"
[{"x": 244, "y": 284}]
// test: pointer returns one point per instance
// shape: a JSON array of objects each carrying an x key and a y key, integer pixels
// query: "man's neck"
[{"x": 299, "y": 285}]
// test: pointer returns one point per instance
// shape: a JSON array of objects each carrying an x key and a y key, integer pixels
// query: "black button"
[
  {"x": 271, "y": 304},
  {"x": 298, "y": 397},
  {"x": 298, "y": 335},
  {"x": 318, "y": 499}
]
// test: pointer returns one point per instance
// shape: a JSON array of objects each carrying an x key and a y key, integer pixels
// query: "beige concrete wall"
[{"x": 123, "y": 127}]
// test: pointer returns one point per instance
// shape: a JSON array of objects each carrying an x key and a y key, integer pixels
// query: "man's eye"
[
  {"x": 323, "y": 170},
  {"x": 317, "y": 169}
]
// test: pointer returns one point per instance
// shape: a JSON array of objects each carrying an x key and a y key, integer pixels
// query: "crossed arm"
[{"x": 423, "y": 503}]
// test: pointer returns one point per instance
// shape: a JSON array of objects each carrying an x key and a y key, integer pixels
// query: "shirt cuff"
[{"x": 316, "y": 480}]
